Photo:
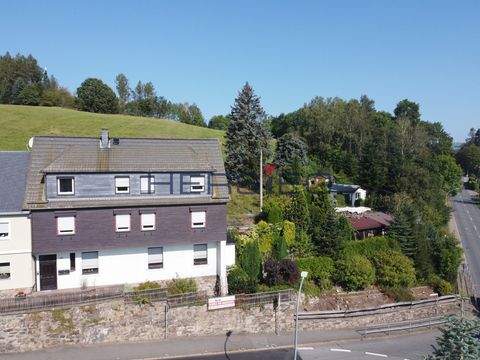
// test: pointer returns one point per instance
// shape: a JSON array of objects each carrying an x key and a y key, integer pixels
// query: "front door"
[{"x": 48, "y": 272}]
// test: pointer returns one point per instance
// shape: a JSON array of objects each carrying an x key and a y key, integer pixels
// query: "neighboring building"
[
  {"x": 322, "y": 178},
  {"x": 112, "y": 211},
  {"x": 353, "y": 193},
  {"x": 16, "y": 262},
  {"x": 368, "y": 223}
]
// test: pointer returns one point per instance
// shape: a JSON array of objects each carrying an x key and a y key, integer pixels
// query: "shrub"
[
  {"x": 369, "y": 247},
  {"x": 320, "y": 270},
  {"x": 289, "y": 232},
  {"x": 394, "y": 269},
  {"x": 448, "y": 256},
  {"x": 181, "y": 286},
  {"x": 303, "y": 246},
  {"x": 355, "y": 272},
  {"x": 311, "y": 289},
  {"x": 147, "y": 285},
  {"x": 274, "y": 208},
  {"x": 251, "y": 260},
  {"x": 279, "y": 246},
  {"x": 280, "y": 272},
  {"x": 398, "y": 293},
  {"x": 239, "y": 282},
  {"x": 264, "y": 234},
  {"x": 440, "y": 286}
]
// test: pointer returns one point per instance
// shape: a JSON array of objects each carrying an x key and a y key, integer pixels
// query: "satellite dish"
[{"x": 30, "y": 143}]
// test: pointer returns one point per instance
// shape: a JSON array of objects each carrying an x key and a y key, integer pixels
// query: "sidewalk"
[{"x": 180, "y": 347}]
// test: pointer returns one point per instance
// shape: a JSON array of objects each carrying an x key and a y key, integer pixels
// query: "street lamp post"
[{"x": 303, "y": 275}]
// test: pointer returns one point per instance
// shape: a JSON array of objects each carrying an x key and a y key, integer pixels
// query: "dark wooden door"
[{"x": 48, "y": 272}]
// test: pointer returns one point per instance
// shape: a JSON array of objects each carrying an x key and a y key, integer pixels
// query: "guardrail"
[
  {"x": 337, "y": 314},
  {"x": 403, "y": 326}
]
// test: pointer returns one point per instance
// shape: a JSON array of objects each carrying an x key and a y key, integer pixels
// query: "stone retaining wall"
[{"x": 118, "y": 321}]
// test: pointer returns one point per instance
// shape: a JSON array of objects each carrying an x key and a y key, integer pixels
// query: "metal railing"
[
  {"x": 403, "y": 326},
  {"x": 382, "y": 309},
  {"x": 271, "y": 297}
]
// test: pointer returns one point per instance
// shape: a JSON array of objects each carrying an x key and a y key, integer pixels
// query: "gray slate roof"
[
  {"x": 344, "y": 188},
  {"x": 59, "y": 155},
  {"x": 13, "y": 176}
]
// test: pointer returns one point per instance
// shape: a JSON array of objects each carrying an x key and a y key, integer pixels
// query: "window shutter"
[
  {"x": 122, "y": 181},
  {"x": 197, "y": 183},
  {"x": 148, "y": 221},
  {"x": 198, "y": 219},
  {"x": 4, "y": 230},
  {"x": 90, "y": 260},
  {"x": 155, "y": 255},
  {"x": 200, "y": 251},
  {"x": 66, "y": 225},
  {"x": 122, "y": 222},
  {"x": 144, "y": 184}
]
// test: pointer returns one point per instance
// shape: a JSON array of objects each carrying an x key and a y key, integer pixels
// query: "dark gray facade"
[
  {"x": 103, "y": 184},
  {"x": 95, "y": 228}
]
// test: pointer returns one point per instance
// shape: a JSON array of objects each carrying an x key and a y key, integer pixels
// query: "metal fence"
[
  {"x": 408, "y": 325},
  {"x": 382, "y": 309},
  {"x": 66, "y": 298}
]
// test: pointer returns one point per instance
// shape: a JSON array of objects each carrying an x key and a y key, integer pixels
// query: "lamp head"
[{"x": 303, "y": 274}]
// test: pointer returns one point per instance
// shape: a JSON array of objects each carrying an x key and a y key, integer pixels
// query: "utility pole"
[{"x": 261, "y": 178}]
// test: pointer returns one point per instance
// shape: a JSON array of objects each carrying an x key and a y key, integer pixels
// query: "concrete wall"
[
  {"x": 130, "y": 266},
  {"x": 17, "y": 250},
  {"x": 95, "y": 229},
  {"x": 103, "y": 185}
]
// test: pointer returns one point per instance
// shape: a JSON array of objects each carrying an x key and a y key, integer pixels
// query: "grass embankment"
[{"x": 19, "y": 123}]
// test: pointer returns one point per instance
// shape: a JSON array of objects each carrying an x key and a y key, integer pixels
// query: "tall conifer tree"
[{"x": 245, "y": 136}]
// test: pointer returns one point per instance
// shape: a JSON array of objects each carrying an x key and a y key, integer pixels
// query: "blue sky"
[{"x": 290, "y": 51}]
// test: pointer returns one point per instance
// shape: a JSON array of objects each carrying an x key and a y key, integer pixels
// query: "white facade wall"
[
  {"x": 230, "y": 255},
  {"x": 17, "y": 250},
  {"x": 130, "y": 266}
]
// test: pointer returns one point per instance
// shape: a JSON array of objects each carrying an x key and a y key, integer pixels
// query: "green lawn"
[{"x": 20, "y": 123}]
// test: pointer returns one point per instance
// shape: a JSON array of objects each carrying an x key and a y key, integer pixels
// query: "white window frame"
[
  {"x": 117, "y": 178},
  {"x": 148, "y": 227},
  {"x": 200, "y": 260},
  {"x": 198, "y": 219},
  {"x": 72, "y": 179},
  {"x": 122, "y": 228},
  {"x": 9, "y": 230},
  {"x": 197, "y": 183},
  {"x": 152, "y": 185},
  {"x": 152, "y": 264},
  {"x": 7, "y": 264},
  {"x": 90, "y": 270},
  {"x": 67, "y": 231}
]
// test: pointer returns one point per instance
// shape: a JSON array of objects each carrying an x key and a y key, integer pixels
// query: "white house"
[
  {"x": 353, "y": 192},
  {"x": 16, "y": 262}
]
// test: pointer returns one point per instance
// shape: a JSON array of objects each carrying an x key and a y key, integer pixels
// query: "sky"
[{"x": 289, "y": 51}]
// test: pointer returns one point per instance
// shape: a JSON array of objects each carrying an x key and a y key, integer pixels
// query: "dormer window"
[
  {"x": 197, "y": 184},
  {"x": 65, "y": 186},
  {"x": 122, "y": 185}
]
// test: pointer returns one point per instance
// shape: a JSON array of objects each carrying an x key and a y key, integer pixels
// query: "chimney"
[{"x": 104, "y": 141}]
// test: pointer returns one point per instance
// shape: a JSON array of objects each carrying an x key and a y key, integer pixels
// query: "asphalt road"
[
  {"x": 466, "y": 212},
  {"x": 407, "y": 347}
]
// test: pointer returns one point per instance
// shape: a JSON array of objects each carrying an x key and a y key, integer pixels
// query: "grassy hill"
[{"x": 20, "y": 123}]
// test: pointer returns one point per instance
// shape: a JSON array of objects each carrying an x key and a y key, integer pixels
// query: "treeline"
[
  {"x": 468, "y": 156},
  {"x": 406, "y": 164},
  {"x": 24, "y": 82}
]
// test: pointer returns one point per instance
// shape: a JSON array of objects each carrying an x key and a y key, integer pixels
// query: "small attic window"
[{"x": 65, "y": 186}]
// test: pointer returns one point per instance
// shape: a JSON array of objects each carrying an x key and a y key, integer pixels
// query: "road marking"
[
  {"x": 305, "y": 348},
  {"x": 341, "y": 350},
  {"x": 375, "y": 354}
]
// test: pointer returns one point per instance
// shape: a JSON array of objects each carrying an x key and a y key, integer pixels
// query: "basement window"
[
  {"x": 155, "y": 257},
  {"x": 90, "y": 262},
  {"x": 200, "y": 254},
  {"x": 122, "y": 185},
  {"x": 65, "y": 186},
  {"x": 4, "y": 230},
  {"x": 4, "y": 271}
]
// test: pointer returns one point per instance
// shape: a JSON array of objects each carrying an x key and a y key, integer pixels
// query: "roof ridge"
[{"x": 125, "y": 138}]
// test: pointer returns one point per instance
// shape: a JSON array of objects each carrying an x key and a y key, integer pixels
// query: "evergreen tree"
[
  {"x": 246, "y": 135},
  {"x": 279, "y": 246},
  {"x": 251, "y": 260},
  {"x": 96, "y": 96},
  {"x": 460, "y": 340},
  {"x": 297, "y": 211},
  {"x": 401, "y": 230},
  {"x": 291, "y": 157},
  {"x": 123, "y": 89}
]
